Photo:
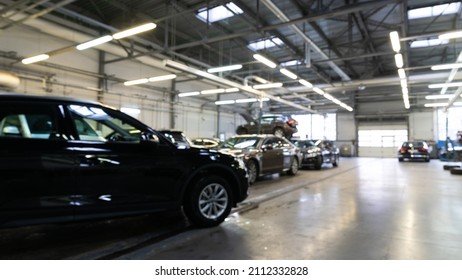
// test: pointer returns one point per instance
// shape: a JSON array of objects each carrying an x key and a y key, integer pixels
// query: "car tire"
[
  {"x": 241, "y": 130},
  {"x": 208, "y": 202},
  {"x": 293, "y": 167},
  {"x": 400, "y": 159},
  {"x": 335, "y": 162},
  {"x": 318, "y": 163},
  {"x": 252, "y": 171},
  {"x": 456, "y": 171},
  {"x": 278, "y": 132}
]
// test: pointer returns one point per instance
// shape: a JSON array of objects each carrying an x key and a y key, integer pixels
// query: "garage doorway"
[{"x": 381, "y": 141}]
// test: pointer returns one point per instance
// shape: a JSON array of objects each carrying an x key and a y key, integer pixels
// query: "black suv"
[
  {"x": 279, "y": 125},
  {"x": 64, "y": 159}
]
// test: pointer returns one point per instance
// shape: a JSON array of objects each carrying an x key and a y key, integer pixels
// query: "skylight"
[
  {"x": 433, "y": 11},
  {"x": 265, "y": 44},
  {"x": 219, "y": 13},
  {"x": 428, "y": 43}
]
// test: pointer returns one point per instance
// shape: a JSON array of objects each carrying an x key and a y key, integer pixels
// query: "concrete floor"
[{"x": 367, "y": 208}]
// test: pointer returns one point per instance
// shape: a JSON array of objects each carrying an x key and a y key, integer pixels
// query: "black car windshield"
[{"x": 240, "y": 143}]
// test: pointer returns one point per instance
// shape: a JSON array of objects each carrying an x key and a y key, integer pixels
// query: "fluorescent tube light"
[
  {"x": 213, "y": 91},
  {"x": 436, "y": 104},
  {"x": 246, "y": 100},
  {"x": 328, "y": 96},
  {"x": 224, "y": 102},
  {"x": 264, "y": 60},
  {"x": 136, "y": 82},
  {"x": 260, "y": 80},
  {"x": 395, "y": 43},
  {"x": 288, "y": 73},
  {"x": 399, "y": 60},
  {"x": 95, "y": 42},
  {"x": 403, "y": 83},
  {"x": 456, "y": 84},
  {"x": 34, "y": 59},
  {"x": 232, "y": 89},
  {"x": 192, "y": 93},
  {"x": 305, "y": 83},
  {"x": 451, "y": 35},
  {"x": 264, "y": 86},
  {"x": 402, "y": 73},
  {"x": 438, "y": 96},
  {"x": 225, "y": 68},
  {"x": 162, "y": 78},
  {"x": 134, "y": 30},
  {"x": 319, "y": 91},
  {"x": 446, "y": 66},
  {"x": 405, "y": 91}
]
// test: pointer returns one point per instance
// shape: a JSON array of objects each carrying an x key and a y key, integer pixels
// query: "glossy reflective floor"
[{"x": 367, "y": 208}]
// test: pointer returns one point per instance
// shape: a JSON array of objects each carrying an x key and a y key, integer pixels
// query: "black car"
[
  {"x": 279, "y": 125},
  {"x": 414, "y": 150},
  {"x": 64, "y": 160},
  {"x": 264, "y": 154},
  {"x": 317, "y": 152}
]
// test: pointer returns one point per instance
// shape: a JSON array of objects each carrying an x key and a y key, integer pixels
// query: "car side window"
[
  {"x": 35, "y": 122},
  {"x": 96, "y": 124}
]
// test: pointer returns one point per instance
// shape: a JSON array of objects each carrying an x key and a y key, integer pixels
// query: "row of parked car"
[{"x": 265, "y": 154}]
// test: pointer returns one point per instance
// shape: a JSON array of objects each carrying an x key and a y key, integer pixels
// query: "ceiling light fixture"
[
  {"x": 265, "y": 86},
  {"x": 395, "y": 43},
  {"x": 95, "y": 42},
  {"x": 438, "y": 96},
  {"x": 225, "y": 68},
  {"x": 224, "y": 102},
  {"x": 162, "y": 78},
  {"x": 246, "y": 100},
  {"x": 136, "y": 82},
  {"x": 401, "y": 73},
  {"x": 232, "y": 90},
  {"x": 213, "y": 91},
  {"x": 36, "y": 58},
  {"x": 447, "y": 66},
  {"x": 264, "y": 60},
  {"x": 319, "y": 91},
  {"x": 451, "y": 35},
  {"x": 288, "y": 73},
  {"x": 436, "y": 104},
  {"x": 305, "y": 83},
  {"x": 192, "y": 93},
  {"x": 403, "y": 83},
  {"x": 455, "y": 84},
  {"x": 399, "y": 60},
  {"x": 134, "y": 30}
]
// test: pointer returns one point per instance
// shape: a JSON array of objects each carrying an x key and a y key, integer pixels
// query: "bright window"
[
  {"x": 433, "y": 11},
  {"x": 428, "y": 43},
  {"x": 219, "y": 13},
  {"x": 314, "y": 126},
  {"x": 454, "y": 123},
  {"x": 265, "y": 44}
]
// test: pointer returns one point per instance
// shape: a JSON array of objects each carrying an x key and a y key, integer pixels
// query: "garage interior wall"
[{"x": 81, "y": 80}]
